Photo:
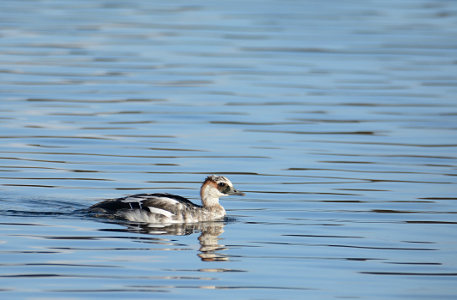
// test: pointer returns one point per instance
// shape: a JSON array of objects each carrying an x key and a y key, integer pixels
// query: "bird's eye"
[{"x": 221, "y": 184}]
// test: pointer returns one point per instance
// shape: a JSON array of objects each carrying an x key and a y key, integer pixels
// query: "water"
[{"x": 338, "y": 120}]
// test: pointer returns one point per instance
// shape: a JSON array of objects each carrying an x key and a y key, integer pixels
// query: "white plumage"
[{"x": 168, "y": 208}]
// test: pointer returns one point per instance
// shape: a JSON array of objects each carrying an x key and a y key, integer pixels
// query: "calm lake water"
[{"x": 338, "y": 120}]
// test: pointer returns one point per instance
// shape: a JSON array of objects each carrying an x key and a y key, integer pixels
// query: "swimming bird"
[{"x": 168, "y": 208}]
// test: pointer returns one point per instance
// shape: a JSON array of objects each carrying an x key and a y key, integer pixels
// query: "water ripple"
[{"x": 338, "y": 121}]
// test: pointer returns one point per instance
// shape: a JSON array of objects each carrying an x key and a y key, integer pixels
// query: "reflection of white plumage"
[{"x": 167, "y": 208}]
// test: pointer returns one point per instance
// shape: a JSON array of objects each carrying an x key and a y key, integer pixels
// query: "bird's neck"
[
  {"x": 210, "y": 201},
  {"x": 210, "y": 195}
]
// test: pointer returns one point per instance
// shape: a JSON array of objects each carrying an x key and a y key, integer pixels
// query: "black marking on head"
[
  {"x": 216, "y": 178},
  {"x": 222, "y": 183},
  {"x": 223, "y": 187}
]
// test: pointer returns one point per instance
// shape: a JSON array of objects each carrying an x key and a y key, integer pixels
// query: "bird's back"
[{"x": 151, "y": 208}]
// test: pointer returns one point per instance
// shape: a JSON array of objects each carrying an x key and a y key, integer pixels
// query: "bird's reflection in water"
[
  {"x": 209, "y": 242},
  {"x": 209, "y": 236}
]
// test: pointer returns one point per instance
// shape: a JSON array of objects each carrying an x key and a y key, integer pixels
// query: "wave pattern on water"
[{"x": 339, "y": 121}]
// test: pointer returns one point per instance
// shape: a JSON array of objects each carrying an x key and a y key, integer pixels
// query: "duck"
[{"x": 165, "y": 208}]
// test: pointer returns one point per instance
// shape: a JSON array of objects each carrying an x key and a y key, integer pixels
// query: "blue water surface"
[{"x": 338, "y": 120}]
